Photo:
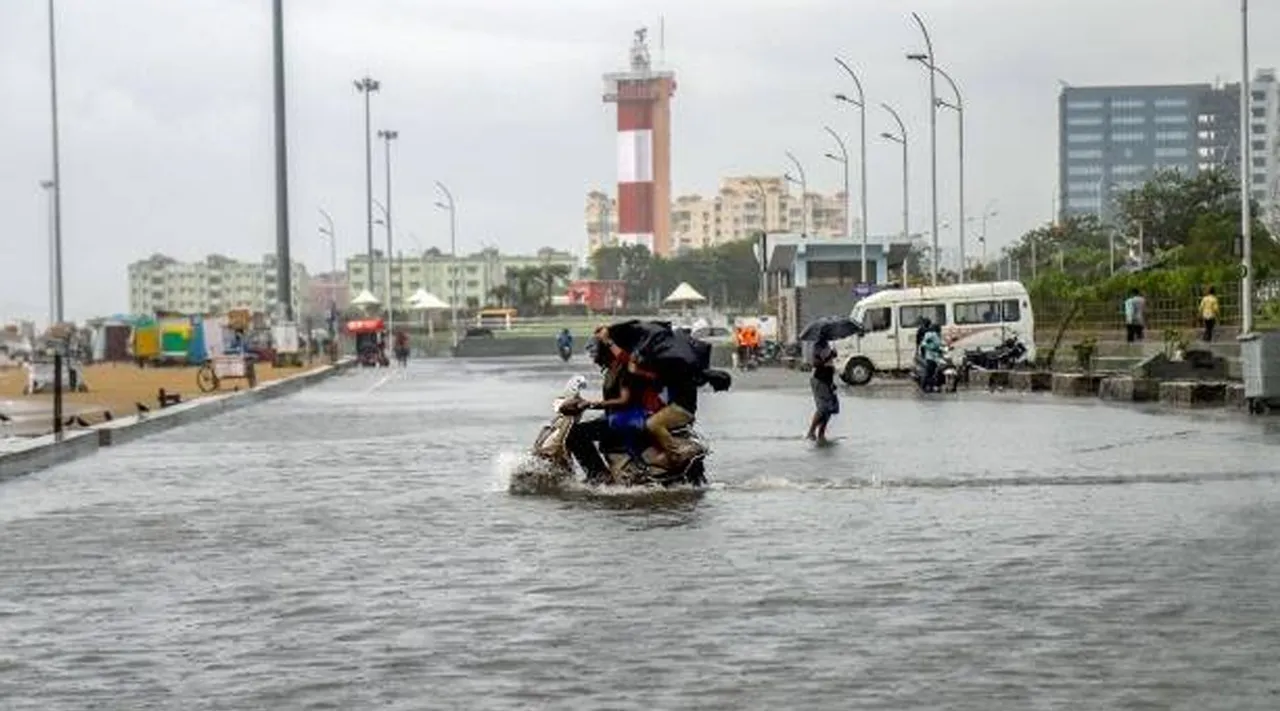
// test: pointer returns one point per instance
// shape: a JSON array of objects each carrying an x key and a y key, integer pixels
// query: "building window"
[
  {"x": 1084, "y": 138},
  {"x": 1259, "y": 162},
  {"x": 1127, "y": 103},
  {"x": 1084, "y": 154},
  {"x": 1128, "y": 169},
  {"x": 1127, "y": 137},
  {"x": 1084, "y": 104},
  {"x": 1259, "y": 145},
  {"x": 1180, "y": 103},
  {"x": 1259, "y": 112},
  {"x": 1260, "y": 178},
  {"x": 1175, "y": 152},
  {"x": 1167, "y": 119},
  {"x": 1259, "y": 96},
  {"x": 1258, "y": 128},
  {"x": 1081, "y": 203},
  {"x": 1130, "y": 120},
  {"x": 1171, "y": 135},
  {"x": 1084, "y": 120},
  {"x": 1082, "y": 188},
  {"x": 1078, "y": 171}
]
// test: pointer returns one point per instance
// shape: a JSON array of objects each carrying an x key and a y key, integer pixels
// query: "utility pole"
[
  {"x": 368, "y": 86},
  {"x": 284, "y": 263}
]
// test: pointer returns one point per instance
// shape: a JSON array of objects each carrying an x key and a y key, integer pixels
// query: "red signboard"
[{"x": 598, "y": 294}]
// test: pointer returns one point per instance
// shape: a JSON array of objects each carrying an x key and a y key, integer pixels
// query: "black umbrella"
[{"x": 831, "y": 329}]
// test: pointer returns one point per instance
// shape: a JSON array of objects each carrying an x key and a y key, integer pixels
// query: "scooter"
[
  {"x": 945, "y": 376},
  {"x": 566, "y": 352}
]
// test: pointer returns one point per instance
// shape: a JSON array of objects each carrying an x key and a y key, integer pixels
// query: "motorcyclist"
[
  {"x": 564, "y": 342},
  {"x": 583, "y": 438},
  {"x": 931, "y": 351}
]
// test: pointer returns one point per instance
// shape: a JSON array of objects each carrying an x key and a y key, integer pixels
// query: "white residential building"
[
  {"x": 213, "y": 286},
  {"x": 742, "y": 207},
  {"x": 478, "y": 274}
]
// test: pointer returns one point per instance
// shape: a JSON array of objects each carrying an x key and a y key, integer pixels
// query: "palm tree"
[
  {"x": 524, "y": 280},
  {"x": 552, "y": 275},
  {"x": 502, "y": 294}
]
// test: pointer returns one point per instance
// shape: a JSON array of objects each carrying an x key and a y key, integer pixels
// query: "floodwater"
[{"x": 354, "y": 547}]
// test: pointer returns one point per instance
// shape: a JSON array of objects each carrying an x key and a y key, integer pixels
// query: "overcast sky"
[{"x": 166, "y": 113}]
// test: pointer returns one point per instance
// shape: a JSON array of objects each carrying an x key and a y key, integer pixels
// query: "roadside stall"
[{"x": 370, "y": 344}]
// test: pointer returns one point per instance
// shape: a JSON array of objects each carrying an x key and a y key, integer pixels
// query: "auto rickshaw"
[{"x": 371, "y": 348}]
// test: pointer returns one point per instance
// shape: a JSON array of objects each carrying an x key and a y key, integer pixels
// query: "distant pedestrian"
[
  {"x": 1135, "y": 317},
  {"x": 1209, "y": 313},
  {"x": 823, "y": 383}
]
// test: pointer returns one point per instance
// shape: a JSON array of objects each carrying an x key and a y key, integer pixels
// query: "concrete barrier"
[
  {"x": 990, "y": 379},
  {"x": 1035, "y": 381},
  {"x": 1076, "y": 384},
  {"x": 509, "y": 347},
  {"x": 45, "y": 452},
  {"x": 1125, "y": 388},
  {"x": 1186, "y": 393}
]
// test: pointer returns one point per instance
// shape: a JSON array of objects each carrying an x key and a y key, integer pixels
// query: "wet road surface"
[{"x": 354, "y": 547}]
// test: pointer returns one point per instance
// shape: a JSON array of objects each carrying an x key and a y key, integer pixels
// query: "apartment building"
[
  {"x": 1113, "y": 139},
  {"x": 214, "y": 285},
  {"x": 741, "y": 207},
  {"x": 478, "y": 274}
]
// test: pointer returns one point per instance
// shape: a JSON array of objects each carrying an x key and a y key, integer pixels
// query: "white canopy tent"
[
  {"x": 426, "y": 302},
  {"x": 365, "y": 298},
  {"x": 684, "y": 294}
]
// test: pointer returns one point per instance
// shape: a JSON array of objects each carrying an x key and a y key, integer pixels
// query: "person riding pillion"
[{"x": 932, "y": 350}]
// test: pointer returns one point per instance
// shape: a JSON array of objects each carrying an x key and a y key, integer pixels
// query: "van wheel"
[{"x": 858, "y": 372}]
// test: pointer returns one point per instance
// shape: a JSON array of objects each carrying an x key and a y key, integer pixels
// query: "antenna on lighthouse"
[{"x": 662, "y": 41}]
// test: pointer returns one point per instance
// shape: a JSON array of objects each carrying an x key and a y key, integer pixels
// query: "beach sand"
[{"x": 117, "y": 387}]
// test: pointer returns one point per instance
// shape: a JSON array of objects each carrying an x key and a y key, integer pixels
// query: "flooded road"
[{"x": 354, "y": 547}]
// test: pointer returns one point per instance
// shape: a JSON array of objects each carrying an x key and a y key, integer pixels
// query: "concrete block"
[
  {"x": 1076, "y": 384},
  {"x": 1123, "y": 388},
  {"x": 1031, "y": 380},
  {"x": 990, "y": 379},
  {"x": 1235, "y": 396},
  {"x": 1186, "y": 393}
]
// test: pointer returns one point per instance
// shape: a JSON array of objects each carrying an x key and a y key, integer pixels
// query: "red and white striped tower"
[{"x": 643, "y": 96}]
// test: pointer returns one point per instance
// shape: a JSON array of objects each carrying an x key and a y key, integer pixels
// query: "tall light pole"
[
  {"x": 56, "y": 187},
  {"x": 933, "y": 138},
  {"x": 843, "y": 159},
  {"x": 764, "y": 241},
  {"x": 387, "y": 137},
  {"x": 368, "y": 86},
  {"x": 453, "y": 252},
  {"x": 987, "y": 212},
  {"x": 284, "y": 263},
  {"x": 901, "y": 138},
  {"x": 861, "y": 103},
  {"x": 958, "y": 107},
  {"x": 1246, "y": 217},
  {"x": 804, "y": 195},
  {"x": 47, "y": 186},
  {"x": 326, "y": 230}
]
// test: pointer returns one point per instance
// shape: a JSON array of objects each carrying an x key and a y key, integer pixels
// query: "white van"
[{"x": 972, "y": 316}]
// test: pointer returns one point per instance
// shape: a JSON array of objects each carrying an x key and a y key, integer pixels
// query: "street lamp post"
[
  {"x": 933, "y": 136},
  {"x": 764, "y": 241},
  {"x": 368, "y": 86},
  {"x": 987, "y": 212},
  {"x": 861, "y": 103},
  {"x": 47, "y": 186},
  {"x": 453, "y": 251},
  {"x": 958, "y": 107},
  {"x": 1246, "y": 150},
  {"x": 843, "y": 160},
  {"x": 901, "y": 138},
  {"x": 326, "y": 230},
  {"x": 387, "y": 137},
  {"x": 284, "y": 263},
  {"x": 56, "y": 187},
  {"x": 804, "y": 195}
]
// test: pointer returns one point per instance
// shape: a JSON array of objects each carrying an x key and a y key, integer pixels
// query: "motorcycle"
[
  {"x": 566, "y": 352},
  {"x": 1003, "y": 357},
  {"x": 945, "y": 378},
  {"x": 553, "y": 464}
]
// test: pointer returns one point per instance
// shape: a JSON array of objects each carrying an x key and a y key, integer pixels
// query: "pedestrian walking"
[
  {"x": 823, "y": 384},
  {"x": 1209, "y": 313},
  {"x": 1135, "y": 317}
]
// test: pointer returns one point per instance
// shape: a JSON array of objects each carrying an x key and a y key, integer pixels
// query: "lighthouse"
[{"x": 643, "y": 96}]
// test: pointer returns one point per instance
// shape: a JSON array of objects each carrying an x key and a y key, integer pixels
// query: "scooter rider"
[
  {"x": 585, "y": 435},
  {"x": 931, "y": 350},
  {"x": 564, "y": 343}
]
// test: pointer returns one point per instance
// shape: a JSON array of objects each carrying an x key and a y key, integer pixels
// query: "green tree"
[{"x": 553, "y": 276}]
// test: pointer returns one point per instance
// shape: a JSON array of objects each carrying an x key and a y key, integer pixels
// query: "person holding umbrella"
[{"x": 822, "y": 381}]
